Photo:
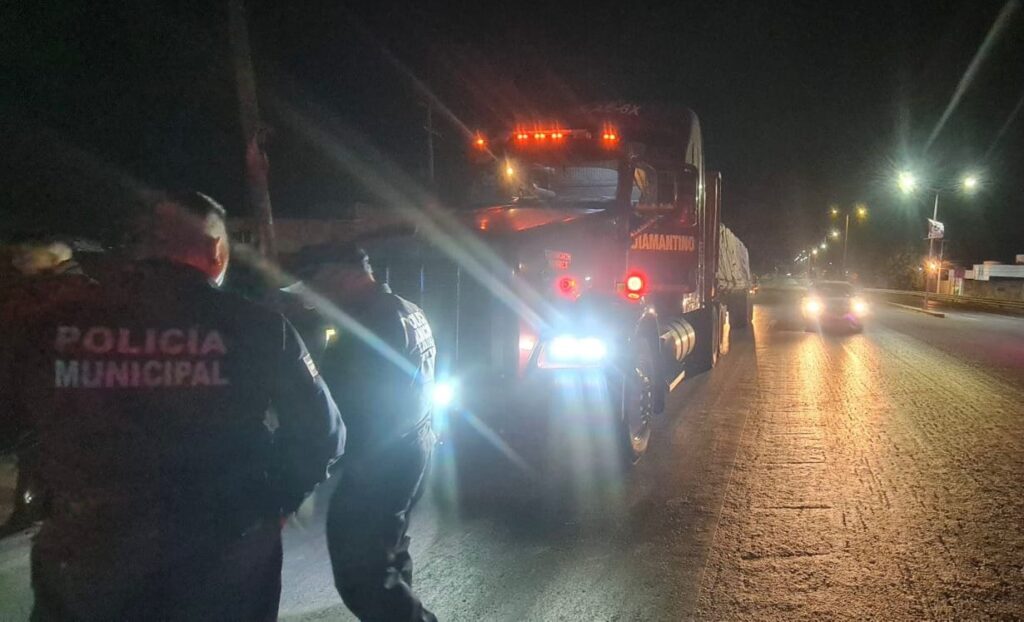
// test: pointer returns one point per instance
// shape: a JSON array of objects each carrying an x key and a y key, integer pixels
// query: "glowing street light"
[
  {"x": 906, "y": 181},
  {"x": 862, "y": 210},
  {"x": 823, "y": 246},
  {"x": 834, "y": 211},
  {"x": 834, "y": 234},
  {"x": 814, "y": 252}
]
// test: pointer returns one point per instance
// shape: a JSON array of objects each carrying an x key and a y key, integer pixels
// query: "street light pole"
[
  {"x": 931, "y": 244},
  {"x": 846, "y": 237}
]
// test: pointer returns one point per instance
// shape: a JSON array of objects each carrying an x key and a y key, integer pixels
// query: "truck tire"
[
  {"x": 708, "y": 324},
  {"x": 636, "y": 400},
  {"x": 740, "y": 309}
]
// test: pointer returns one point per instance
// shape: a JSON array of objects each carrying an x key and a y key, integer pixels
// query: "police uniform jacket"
[{"x": 150, "y": 400}]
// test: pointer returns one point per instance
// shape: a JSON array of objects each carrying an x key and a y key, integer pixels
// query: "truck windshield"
[{"x": 513, "y": 181}]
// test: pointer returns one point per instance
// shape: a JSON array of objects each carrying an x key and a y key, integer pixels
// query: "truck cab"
[{"x": 577, "y": 286}]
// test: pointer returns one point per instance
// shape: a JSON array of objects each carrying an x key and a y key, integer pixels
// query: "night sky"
[{"x": 803, "y": 104}]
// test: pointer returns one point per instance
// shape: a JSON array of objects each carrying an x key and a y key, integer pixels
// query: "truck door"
[{"x": 665, "y": 240}]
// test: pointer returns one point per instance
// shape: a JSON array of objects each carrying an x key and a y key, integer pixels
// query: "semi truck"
[{"x": 582, "y": 281}]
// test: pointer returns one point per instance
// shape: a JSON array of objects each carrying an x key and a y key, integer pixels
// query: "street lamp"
[
  {"x": 823, "y": 246},
  {"x": 907, "y": 183},
  {"x": 861, "y": 211}
]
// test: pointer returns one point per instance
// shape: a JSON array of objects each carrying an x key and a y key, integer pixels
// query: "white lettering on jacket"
[{"x": 101, "y": 357}]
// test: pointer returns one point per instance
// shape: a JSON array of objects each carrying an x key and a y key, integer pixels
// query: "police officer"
[
  {"x": 379, "y": 361},
  {"x": 151, "y": 399}
]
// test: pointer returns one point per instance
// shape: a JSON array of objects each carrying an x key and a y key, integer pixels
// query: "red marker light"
[
  {"x": 568, "y": 287},
  {"x": 480, "y": 142},
  {"x": 636, "y": 286},
  {"x": 540, "y": 135},
  {"x": 609, "y": 136}
]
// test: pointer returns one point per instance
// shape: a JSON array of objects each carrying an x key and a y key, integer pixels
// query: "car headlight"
[
  {"x": 812, "y": 307},
  {"x": 573, "y": 351},
  {"x": 859, "y": 306}
]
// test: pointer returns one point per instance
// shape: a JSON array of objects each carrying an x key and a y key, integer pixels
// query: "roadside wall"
[{"x": 1002, "y": 289}]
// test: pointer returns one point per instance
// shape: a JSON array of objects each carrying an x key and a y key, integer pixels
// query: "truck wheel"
[
  {"x": 637, "y": 401},
  {"x": 740, "y": 310},
  {"x": 708, "y": 324}
]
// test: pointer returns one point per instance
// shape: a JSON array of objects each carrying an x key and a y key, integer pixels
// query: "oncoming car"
[{"x": 833, "y": 305}]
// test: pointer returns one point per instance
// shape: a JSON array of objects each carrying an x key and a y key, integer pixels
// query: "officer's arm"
[{"x": 311, "y": 434}]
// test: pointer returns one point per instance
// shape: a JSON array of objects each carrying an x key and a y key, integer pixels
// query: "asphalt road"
[{"x": 865, "y": 476}]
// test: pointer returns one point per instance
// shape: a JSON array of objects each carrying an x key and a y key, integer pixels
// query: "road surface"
[{"x": 868, "y": 476}]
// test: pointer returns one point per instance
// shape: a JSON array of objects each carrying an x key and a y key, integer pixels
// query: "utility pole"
[{"x": 256, "y": 163}]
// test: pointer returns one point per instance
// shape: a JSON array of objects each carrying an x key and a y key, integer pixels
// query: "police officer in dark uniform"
[
  {"x": 379, "y": 362},
  {"x": 168, "y": 480}
]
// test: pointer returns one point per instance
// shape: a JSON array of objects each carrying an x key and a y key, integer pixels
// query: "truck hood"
[{"x": 508, "y": 219}]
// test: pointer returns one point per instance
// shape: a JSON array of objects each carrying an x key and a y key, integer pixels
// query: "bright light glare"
[
  {"x": 906, "y": 182},
  {"x": 509, "y": 171},
  {"x": 592, "y": 349},
  {"x": 812, "y": 307},
  {"x": 859, "y": 307},
  {"x": 862, "y": 211},
  {"x": 566, "y": 350},
  {"x": 970, "y": 183},
  {"x": 835, "y": 234},
  {"x": 814, "y": 251},
  {"x": 444, "y": 394},
  {"x": 823, "y": 246},
  {"x": 563, "y": 348}
]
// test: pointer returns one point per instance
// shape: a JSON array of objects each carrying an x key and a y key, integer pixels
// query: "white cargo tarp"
[{"x": 733, "y": 261}]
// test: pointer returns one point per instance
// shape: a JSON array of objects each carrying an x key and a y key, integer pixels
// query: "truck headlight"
[
  {"x": 859, "y": 307},
  {"x": 444, "y": 394},
  {"x": 573, "y": 351}
]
